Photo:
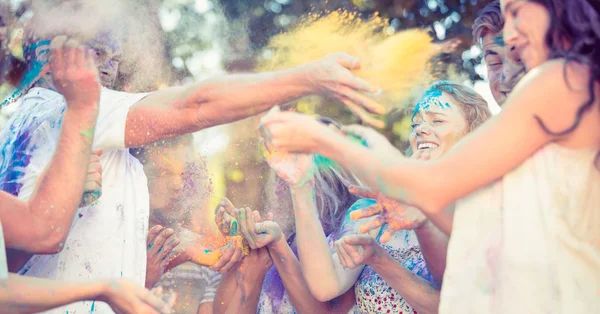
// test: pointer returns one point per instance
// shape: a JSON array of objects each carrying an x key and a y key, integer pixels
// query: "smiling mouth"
[{"x": 423, "y": 146}]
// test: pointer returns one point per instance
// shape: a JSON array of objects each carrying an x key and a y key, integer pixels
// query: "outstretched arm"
[
  {"x": 20, "y": 294},
  {"x": 471, "y": 164},
  {"x": 42, "y": 224},
  {"x": 175, "y": 111}
]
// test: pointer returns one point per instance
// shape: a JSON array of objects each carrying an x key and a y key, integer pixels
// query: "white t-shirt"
[{"x": 108, "y": 238}]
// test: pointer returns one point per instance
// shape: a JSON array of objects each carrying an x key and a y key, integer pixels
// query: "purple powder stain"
[
  {"x": 88, "y": 266},
  {"x": 80, "y": 215}
]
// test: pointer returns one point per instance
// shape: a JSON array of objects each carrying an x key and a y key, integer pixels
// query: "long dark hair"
[{"x": 576, "y": 22}]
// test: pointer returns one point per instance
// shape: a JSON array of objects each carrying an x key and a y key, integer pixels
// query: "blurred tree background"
[{"x": 194, "y": 39}]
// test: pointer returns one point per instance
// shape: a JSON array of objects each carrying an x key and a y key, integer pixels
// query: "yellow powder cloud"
[{"x": 397, "y": 63}]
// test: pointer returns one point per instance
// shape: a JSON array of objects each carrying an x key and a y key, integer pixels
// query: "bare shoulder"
[
  {"x": 570, "y": 77},
  {"x": 554, "y": 92}
]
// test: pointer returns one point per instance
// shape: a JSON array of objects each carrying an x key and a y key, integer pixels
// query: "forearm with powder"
[
  {"x": 325, "y": 280},
  {"x": 225, "y": 292},
  {"x": 420, "y": 294},
  {"x": 175, "y": 111},
  {"x": 20, "y": 294},
  {"x": 44, "y": 223},
  {"x": 434, "y": 247},
  {"x": 398, "y": 178},
  {"x": 246, "y": 296},
  {"x": 295, "y": 284}
]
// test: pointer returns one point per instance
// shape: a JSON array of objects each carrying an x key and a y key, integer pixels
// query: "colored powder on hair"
[
  {"x": 429, "y": 98},
  {"x": 396, "y": 63}
]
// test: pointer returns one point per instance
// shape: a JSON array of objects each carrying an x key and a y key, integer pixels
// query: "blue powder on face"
[
  {"x": 499, "y": 40},
  {"x": 207, "y": 251},
  {"x": 429, "y": 98}
]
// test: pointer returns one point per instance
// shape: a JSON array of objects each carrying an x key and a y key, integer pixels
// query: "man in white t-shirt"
[{"x": 108, "y": 238}]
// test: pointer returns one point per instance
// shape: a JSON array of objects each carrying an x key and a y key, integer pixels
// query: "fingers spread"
[
  {"x": 373, "y": 224},
  {"x": 363, "y": 191},
  {"x": 366, "y": 212}
]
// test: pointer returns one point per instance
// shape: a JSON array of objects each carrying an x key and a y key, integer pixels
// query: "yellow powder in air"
[{"x": 396, "y": 63}]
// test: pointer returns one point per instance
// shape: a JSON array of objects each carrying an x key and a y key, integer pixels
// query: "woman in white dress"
[{"x": 525, "y": 231}]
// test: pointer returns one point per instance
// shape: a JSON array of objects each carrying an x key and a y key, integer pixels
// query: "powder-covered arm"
[
  {"x": 178, "y": 110},
  {"x": 41, "y": 224},
  {"x": 290, "y": 271},
  {"x": 325, "y": 276},
  {"x": 420, "y": 294},
  {"x": 21, "y": 294},
  {"x": 484, "y": 155}
]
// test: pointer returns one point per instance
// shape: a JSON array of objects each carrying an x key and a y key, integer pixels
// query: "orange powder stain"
[
  {"x": 209, "y": 249},
  {"x": 397, "y": 63}
]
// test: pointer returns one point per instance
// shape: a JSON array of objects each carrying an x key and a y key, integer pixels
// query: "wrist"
[
  {"x": 326, "y": 143},
  {"x": 304, "y": 190},
  {"x": 278, "y": 245},
  {"x": 379, "y": 258},
  {"x": 103, "y": 291},
  {"x": 301, "y": 77}
]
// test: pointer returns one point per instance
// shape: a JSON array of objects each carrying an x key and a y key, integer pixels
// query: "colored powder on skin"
[
  {"x": 233, "y": 228},
  {"x": 499, "y": 40},
  {"x": 429, "y": 98},
  {"x": 89, "y": 133},
  {"x": 395, "y": 63},
  {"x": 323, "y": 162},
  {"x": 213, "y": 247}
]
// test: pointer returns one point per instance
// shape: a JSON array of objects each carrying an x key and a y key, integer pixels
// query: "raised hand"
[
  {"x": 258, "y": 233},
  {"x": 126, "y": 297},
  {"x": 74, "y": 73},
  {"x": 292, "y": 132},
  {"x": 388, "y": 211},
  {"x": 161, "y": 244},
  {"x": 295, "y": 169},
  {"x": 357, "y": 250},
  {"x": 93, "y": 182},
  {"x": 332, "y": 76},
  {"x": 224, "y": 218},
  {"x": 230, "y": 255}
]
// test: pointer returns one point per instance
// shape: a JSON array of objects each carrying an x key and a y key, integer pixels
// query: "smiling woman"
[{"x": 443, "y": 115}]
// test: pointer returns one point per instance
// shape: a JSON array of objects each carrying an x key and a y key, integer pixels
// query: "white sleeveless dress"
[{"x": 529, "y": 243}]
